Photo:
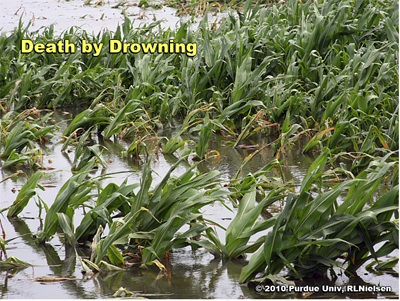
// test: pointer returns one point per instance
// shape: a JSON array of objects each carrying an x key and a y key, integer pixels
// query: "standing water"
[
  {"x": 193, "y": 274},
  {"x": 55, "y": 271}
]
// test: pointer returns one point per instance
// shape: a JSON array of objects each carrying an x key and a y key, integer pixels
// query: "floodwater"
[
  {"x": 92, "y": 18},
  {"x": 192, "y": 274}
]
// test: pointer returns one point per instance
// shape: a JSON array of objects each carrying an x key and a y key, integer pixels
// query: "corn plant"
[
  {"x": 73, "y": 193},
  {"x": 204, "y": 137},
  {"x": 85, "y": 154},
  {"x": 20, "y": 135},
  {"x": 156, "y": 215},
  {"x": 25, "y": 194},
  {"x": 323, "y": 72},
  {"x": 239, "y": 231},
  {"x": 311, "y": 233},
  {"x": 112, "y": 199},
  {"x": 173, "y": 144},
  {"x": 87, "y": 119},
  {"x": 251, "y": 195}
]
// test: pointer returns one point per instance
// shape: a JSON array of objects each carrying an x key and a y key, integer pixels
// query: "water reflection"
[
  {"x": 57, "y": 266},
  {"x": 191, "y": 274}
]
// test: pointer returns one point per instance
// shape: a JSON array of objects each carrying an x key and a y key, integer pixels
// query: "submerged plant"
[
  {"x": 21, "y": 134},
  {"x": 72, "y": 194},
  {"x": 145, "y": 222},
  {"x": 312, "y": 232},
  {"x": 156, "y": 215},
  {"x": 322, "y": 73},
  {"x": 25, "y": 194}
]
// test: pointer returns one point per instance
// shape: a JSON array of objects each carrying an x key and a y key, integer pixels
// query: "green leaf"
[
  {"x": 115, "y": 256},
  {"x": 25, "y": 194},
  {"x": 67, "y": 227}
]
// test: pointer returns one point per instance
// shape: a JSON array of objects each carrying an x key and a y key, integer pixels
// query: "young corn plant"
[
  {"x": 240, "y": 230},
  {"x": 251, "y": 195},
  {"x": 72, "y": 194},
  {"x": 328, "y": 70},
  {"x": 84, "y": 154},
  {"x": 89, "y": 118},
  {"x": 25, "y": 194},
  {"x": 20, "y": 135},
  {"x": 204, "y": 137},
  {"x": 313, "y": 232},
  {"x": 150, "y": 227}
]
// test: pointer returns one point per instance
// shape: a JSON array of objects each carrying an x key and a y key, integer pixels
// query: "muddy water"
[
  {"x": 193, "y": 274},
  {"x": 93, "y": 18}
]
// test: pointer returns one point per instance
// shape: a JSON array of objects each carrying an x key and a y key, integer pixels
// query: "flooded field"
[
  {"x": 191, "y": 274},
  {"x": 92, "y": 18},
  {"x": 262, "y": 165}
]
